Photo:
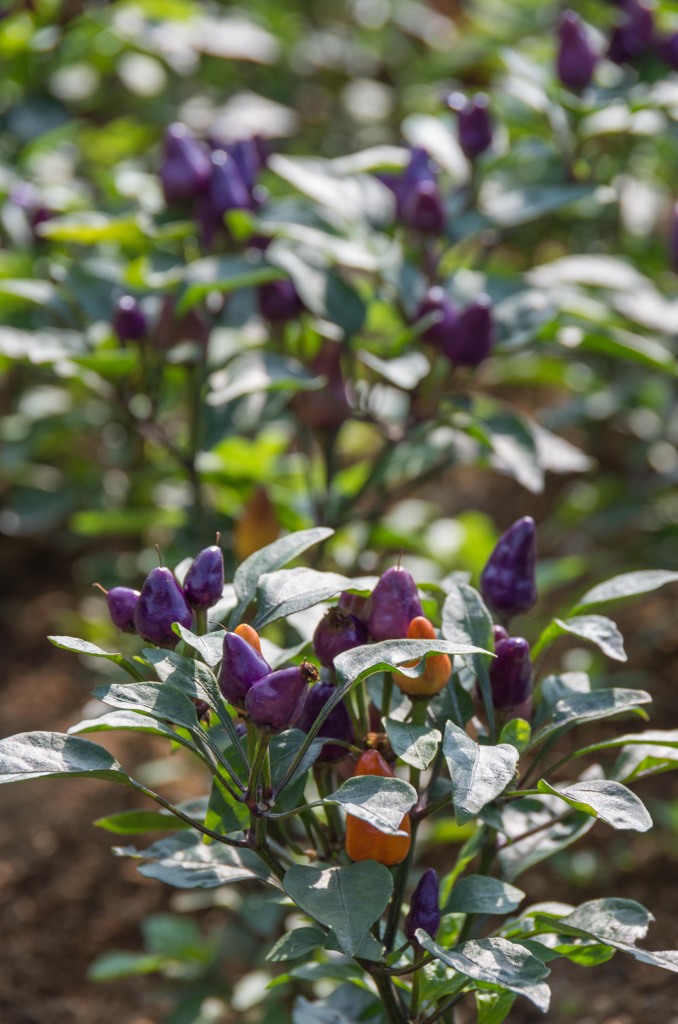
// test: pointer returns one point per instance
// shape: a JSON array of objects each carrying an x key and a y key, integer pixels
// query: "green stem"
[
  {"x": 198, "y": 826},
  {"x": 386, "y": 695},
  {"x": 323, "y": 780},
  {"x": 389, "y": 998},
  {"x": 200, "y": 621},
  {"x": 257, "y": 767},
  {"x": 416, "y": 995},
  {"x": 363, "y": 717}
]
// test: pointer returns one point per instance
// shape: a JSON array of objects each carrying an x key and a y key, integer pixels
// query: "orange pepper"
[
  {"x": 249, "y": 634},
  {"x": 256, "y": 526},
  {"x": 364, "y": 841},
  {"x": 438, "y": 666}
]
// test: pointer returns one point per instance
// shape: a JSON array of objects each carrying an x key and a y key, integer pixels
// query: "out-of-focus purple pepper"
[
  {"x": 242, "y": 666},
  {"x": 161, "y": 603},
  {"x": 474, "y": 121},
  {"x": 122, "y": 603},
  {"x": 356, "y": 604},
  {"x": 277, "y": 701},
  {"x": 338, "y": 631},
  {"x": 202, "y": 709},
  {"x": 186, "y": 170},
  {"x": 499, "y": 633},
  {"x": 250, "y": 157},
  {"x": 508, "y": 581},
  {"x": 337, "y": 725},
  {"x": 395, "y": 602},
  {"x": 422, "y": 208},
  {"x": 227, "y": 190},
  {"x": 576, "y": 60},
  {"x": 279, "y": 301},
  {"x": 469, "y": 340},
  {"x": 424, "y": 907},
  {"x": 28, "y": 199},
  {"x": 511, "y": 674},
  {"x": 438, "y": 301},
  {"x": 204, "y": 581},
  {"x": 129, "y": 319},
  {"x": 667, "y": 47},
  {"x": 632, "y": 37}
]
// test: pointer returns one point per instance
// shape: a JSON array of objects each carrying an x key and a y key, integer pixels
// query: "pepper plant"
[{"x": 326, "y": 790}]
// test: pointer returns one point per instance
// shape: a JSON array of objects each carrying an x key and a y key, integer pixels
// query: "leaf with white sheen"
[
  {"x": 160, "y": 700},
  {"x": 296, "y": 944},
  {"x": 493, "y": 1007},
  {"x": 538, "y": 819},
  {"x": 497, "y": 962},
  {"x": 591, "y": 707},
  {"x": 78, "y": 646},
  {"x": 480, "y": 894},
  {"x": 598, "y": 630},
  {"x": 287, "y": 591},
  {"x": 185, "y": 862},
  {"x": 466, "y": 620},
  {"x": 628, "y": 584},
  {"x": 128, "y": 823},
  {"x": 129, "y": 721},
  {"x": 478, "y": 773},
  {"x": 381, "y": 802},
  {"x": 346, "y": 899},
  {"x": 36, "y": 755},
  {"x": 273, "y": 556},
  {"x": 416, "y": 745},
  {"x": 193, "y": 678},
  {"x": 210, "y": 647},
  {"x": 610, "y": 801},
  {"x": 361, "y": 662}
]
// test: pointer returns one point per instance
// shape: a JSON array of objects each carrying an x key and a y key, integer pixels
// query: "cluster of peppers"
[{"x": 295, "y": 696}]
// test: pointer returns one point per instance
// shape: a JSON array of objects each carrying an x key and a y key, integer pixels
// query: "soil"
[{"x": 64, "y": 899}]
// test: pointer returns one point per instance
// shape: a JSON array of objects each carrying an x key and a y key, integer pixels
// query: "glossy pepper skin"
[
  {"x": 499, "y": 633},
  {"x": 241, "y": 667},
  {"x": 129, "y": 319},
  {"x": 204, "y": 582},
  {"x": 338, "y": 631},
  {"x": 337, "y": 725},
  {"x": 185, "y": 171},
  {"x": 474, "y": 123},
  {"x": 469, "y": 340},
  {"x": 364, "y": 841},
  {"x": 356, "y": 604},
  {"x": 419, "y": 204},
  {"x": 122, "y": 603},
  {"x": 279, "y": 301},
  {"x": 395, "y": 602},
  {"x": 277, "y": 701},
  {"x": 161, "y": 602},
  {"x": 437, "y": 301},
  {"x": 576, "y": 59},
  {"x": 424, "y": 907},
  {"x": 438, "y": 667},
  {"x": 632, "y": 37},
  {"x": 511, "y": 677},
  {"x": 508, "y": 581}
]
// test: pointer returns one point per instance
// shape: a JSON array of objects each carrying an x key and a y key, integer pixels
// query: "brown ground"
[{"x": 60, "y": 909}]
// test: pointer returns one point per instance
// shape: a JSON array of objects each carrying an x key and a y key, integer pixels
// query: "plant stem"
[
  {"x": 389, "y": 998},
  {"x": 416, "y": 995}
]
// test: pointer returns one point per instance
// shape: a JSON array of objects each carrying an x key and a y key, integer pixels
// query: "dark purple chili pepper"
[
  {"x": 499, "y": 633},
  {"x": 129, "y": 319},
  {"x": 277, "y": 701},
  {"x": 511, "y": 673},
  {"x": 395, "y": 602},
  {"x": 667, "y": 47},
  {"x": 633, "y": 36},
  {"x": 241, "y": 667},
  {"x": 469, "y": 340},
  {"x": 249, "y": 158},
  {"x": 475, "y": 123},
  {"x": 422, "y": 208},
  {"x": 161, "y": 603},
  {"x": 279, "y": 301},
  {"x": 338, "y": 631},
  {"x": 185, "y": 171},
  {"x": 438, "y": 301},
  {"x": 337, "y": 725},
  {"x": 508, "y": 581},
  {"x": 424, "y": 907},
  {"x": 122, "y": 603},
  {"x": 204, "y": 582},
  {"x": 576, "y": 60},
  {"x": 356, "y": 604},
  {"x": 227, "y": 190}
]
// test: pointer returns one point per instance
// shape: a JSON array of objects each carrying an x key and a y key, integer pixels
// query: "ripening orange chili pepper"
[
  {"x": 364, "y": 841},
  {"x": 438, "y": 666},
  {"x": 249, "y": 634}
]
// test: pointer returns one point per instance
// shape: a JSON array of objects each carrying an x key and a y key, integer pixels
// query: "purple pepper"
[
  {"x": 161, "y": 603},
  {"x": 422, "y": 208},
  {"x": 438, "y": 301},
  {"x": 241, "y": 667},
  {"x": 424, "y": 907},
  {"x": 279, "y": 301},
  {"x": 633, "y": 36},
  {"x": 499, "y": 633},
  {"x": 508, "y": 581},
  {"x": 395, "y": 602},
  {"x": 204, "y": 582},
  {"x": 356, "y": 604},
  {"x": 667, "y": 47},
  {"x": 338, "y": 631},
  {"x": 337, "y": 725},
  {"x": 576, "y": 60},
  {"x": 511, "y": 674},
  {"x": 122, "y": 603},
  {"x": 129, "y": 319},
  {"x": 474, "y": 123},
  {"x": 277, "y": 701},
  {"x": 227, "y": 190},
  {"x": 249, "y": 157},
  {"x": 469, "y": 340},
  {"x": 185, "y": 171}
]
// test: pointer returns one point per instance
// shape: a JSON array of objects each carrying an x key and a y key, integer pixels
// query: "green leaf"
[
  {"x": 78, "y": 646},
  {"x": 93, "y": 228},
  {"x": 210, "y": 647},
  {"x": 478, "y": 774},
  {"x": 610, "y": 801},
  {"x": 127, "y": 823},
  {"x": 387, "y": 655},
  {"x": 535, "y": 815},
  {"x": 114, "y": 966},
  {"x": 465, "y": 619},
  {"x": 258, "y": 372},
  {"x": 185, "y": 862},
  {"x": 514, "y": 447},
  {"x": 160, "y": 700},
  {"x": 416, "y": 745},
  {"x": 221, "y": 274},
  {"x": 296, "y": 944},
  {"x": 480, "y": 894},
  {"x": 590, "y": 707},
  {"x": 268, "y": 559},
  {"x": 36, "y": 755},
  {"x": 358, "y": 197},
  {"x": 379, "y": 801},
  {"x": 287, "y": 591},
  {"x": 128, "y": 721},
  {"x": 517, "y": 732},
  {"x": 346, "y": 899},
  {"x": 192, "y": 678},
  {"x": 493, "y": 1007},
  {"x": 522, "y": 205},
  {"x": 497, "y": 962},
  {"x": 629, "y": 584},
  {"x": 224, "y": 814},
  {"x": 597, "y": 630}
]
